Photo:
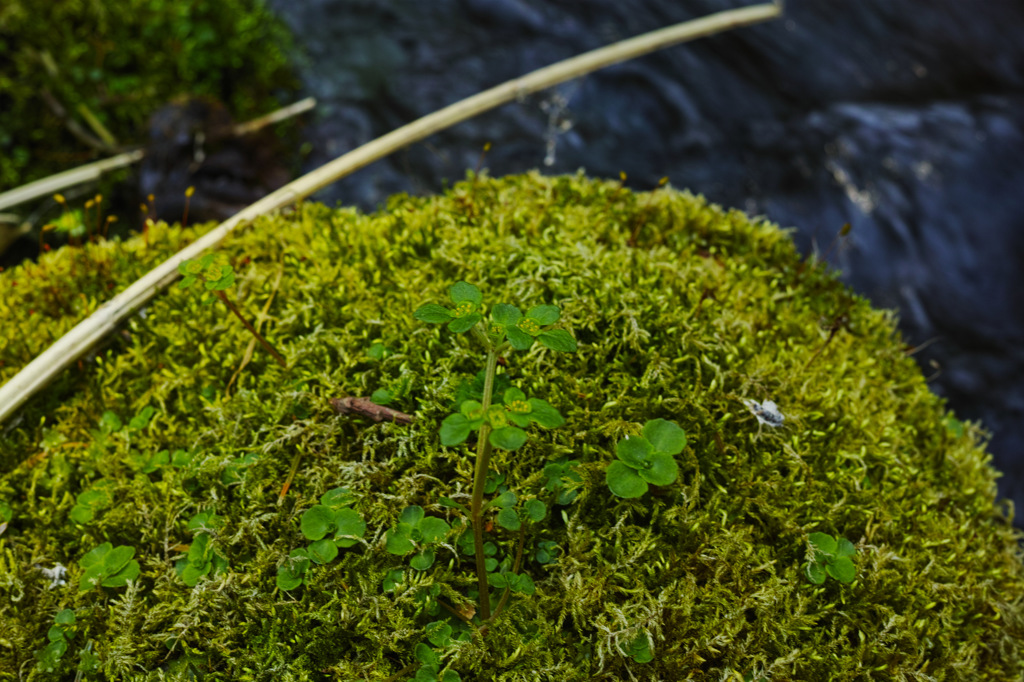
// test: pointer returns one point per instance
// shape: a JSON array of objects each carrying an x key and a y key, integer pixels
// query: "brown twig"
[{"x": 369, "y": 409}]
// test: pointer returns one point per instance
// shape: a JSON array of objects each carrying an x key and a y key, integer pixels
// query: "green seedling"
[
  {"x": 646, "y": 459},
  {"x": 59, "y": 635},
  {"x": 430, "y": 667},
  {"x": 415, "y": 531},
  {"x": 562, "y": 479},
  {"x": 95, "y": 498},
  {"x": 497, "y": 425},
  {"x": 217, "y": 276},
  {"x": 330, "y": 525},
  {"x": 108, "y": 566},
  {"x": 830, "y": 557},
  {"x": 203, "y": 559}
]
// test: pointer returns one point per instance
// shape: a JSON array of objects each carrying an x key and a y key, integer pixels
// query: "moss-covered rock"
[{"x": 177, "y": 438}]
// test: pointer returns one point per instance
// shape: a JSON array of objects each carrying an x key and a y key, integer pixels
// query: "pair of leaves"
[
  {"x": 414, "y": 530},
  {"x": 94, "y": 499},
  {"x": 516, "y": 582},
  {"x": 108, "y": 566},
  {"x": 59, "y": 636},
  {"x": 508, "y": 518},
  {"x": 507, "y": 321},
  {"x": 830, "y": 557},
  {"x": 646, "y": 459},
  {"x": 506, "y": 420},
  {"x": 202, "y": 560},
  {"x": 291, "y": 573}
]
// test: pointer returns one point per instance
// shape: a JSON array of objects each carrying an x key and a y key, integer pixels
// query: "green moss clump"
[
  {"x": 710, "y": 309},
  {"x": 119, "y": 62}
]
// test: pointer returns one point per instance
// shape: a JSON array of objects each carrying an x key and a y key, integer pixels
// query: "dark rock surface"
[{"x": 902, "y": 117}]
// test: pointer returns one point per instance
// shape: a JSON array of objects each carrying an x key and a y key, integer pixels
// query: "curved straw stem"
[{"x": 84, "y": 336}]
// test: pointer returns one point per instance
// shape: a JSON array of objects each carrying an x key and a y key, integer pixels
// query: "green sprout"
[
  {"x": 499, "y": 424},
  {"x": 639, "y": 649},
  {"x": 330, "y": 525},
  {"x": 95, "y": 498},
  {"x": 59, "y": 636},
  {"x": 416, "y": 530},
  {"x": 217, "y": 276},
  {"x": 646, "y": 459},
  {"x": 202, "y": 558},
  {"x": 830, "y": 557},
  {"x": 108, "y": 566}
]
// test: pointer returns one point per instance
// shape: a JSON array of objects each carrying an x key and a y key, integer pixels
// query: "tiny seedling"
[
  {"x": 216, "y": 277},
  {"x": 416, "y": 531},
  {"x": 498, "y": 423},
  {"x": 59, "y": 635},
  {"x": 639, "y": 649},
  {"x": 108, "y": 566},
  {"x": 329, "y": 526},
  {"x": 646, "y": 459},
  {"x": 92, "y": 500},
  {"x": 203, "y": 559},
  {"x": 830, "y": 557}
]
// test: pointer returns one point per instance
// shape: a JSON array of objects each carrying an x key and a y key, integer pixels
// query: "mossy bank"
[{"x": 181, "y": 415}]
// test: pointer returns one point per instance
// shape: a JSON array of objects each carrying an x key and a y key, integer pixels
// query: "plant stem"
[
  {"x": 483, "y": 458},
  {"x": 266, "y": 344}
]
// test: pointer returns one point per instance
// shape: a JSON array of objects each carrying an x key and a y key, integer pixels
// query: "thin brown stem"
[
  {"x": 483, "y": 459},
  {"x": 263, "y": 342}
]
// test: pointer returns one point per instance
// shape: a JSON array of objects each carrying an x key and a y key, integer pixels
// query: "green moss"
[
  {"x": 121, "y": 61},
  {"x": 708, "y": 310}
]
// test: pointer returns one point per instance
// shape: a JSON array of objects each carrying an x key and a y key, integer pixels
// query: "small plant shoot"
[
  {"x": 646, "y": 459},
  {"x": 830, "y": 557},
  {"x": 108, "y": 566},
  {"x": 498, "y": 422}
]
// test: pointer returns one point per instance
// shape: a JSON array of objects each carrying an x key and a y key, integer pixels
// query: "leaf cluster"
[
  {"x": 830, "y": 556},
  {"x": 108, "y": 566},
  {"x": 506, "y": 420},
  {"x": 415, "y": 531},
  {"x": 202, "y": 559},
  {"x": 646, "y": 459}
]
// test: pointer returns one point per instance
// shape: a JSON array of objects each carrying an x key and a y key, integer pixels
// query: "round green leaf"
[
  {"x": 397, "y": 540},
  {"x": 348, "y": 522},
  {"x": 499, "y": 580},
  {"x": 624, "y": 481},
  {"x": 65, "y": 617},
  {"x": 634, "y": 451},
  {"x": 506, "y": 315},
  {"x": 518, "y": 339},
  {"x": 433, "y": 529},
  {"x": 464, "y": 291},
  {"x": 535, "y": 510},
  {"x": 639, "y": 649},
  {"x": 81, "y": 514},
  {"x": 317, "y": 521},
  {"x": 121, "y": 578},
  {"x": 511, "y": 395},
  {"x": 544, "y": 414},
  {"x": 412, "y": 515},
  {"x": 323, "y": 551},
  {"x": 433, "y": 313},
  {"x": 823, "y": 542},
  {"x": 117, "y": 558},
  {"x": 95, "y": 556},
  {"x": 439, "y": 633},
  {"x": 544, "y": 314},
  {"x": 509, "y": 520},
  {"x": 505, "y": 500},
  {"x": 287, "y": 578},
  {"x": 663, "y": 470},
  {"x": 665, "y": 436},
  {"x": 508, "y": 438},
  {"x": 842, "y": 569},
  {"x": 451, "y": 676},
  {"x": 463, "y": 324},
  {"x": 523, "y": 584},
  {"x": 491, "y": 564},
  {"x": 423, "y": 560},
  {"x": 455, "y": 429},
  {"x": 558, "y": 339},
  {"x": 190, "y": 573},
  {"x": 815, "y": 572},
  {"x": 845, "y": 548},
  {"x": 425, "y": 655}
]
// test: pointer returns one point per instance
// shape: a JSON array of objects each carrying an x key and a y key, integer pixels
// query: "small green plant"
[
  {"x": 59, "y": 635},
  {"x": 95, "y": 498},
  {"x": 830, "y": 557},
  {"x": 217, "y": 276},
  {"x": 416, "y": 530},
  {"x": 330, "y": 525},
  {"x": 646, "y": 459},
  {"x": 497, "y": 425},
  {"x": 108, "y": 566},
  {"x": 202, "y": 559},
  {"x": 639, "y": 649}
]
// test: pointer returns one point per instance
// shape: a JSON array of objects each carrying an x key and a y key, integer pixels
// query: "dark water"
[{"x": 903, "y": 118}]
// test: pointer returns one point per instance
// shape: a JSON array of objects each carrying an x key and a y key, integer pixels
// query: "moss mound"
[{"x": 708, "y": 310}]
